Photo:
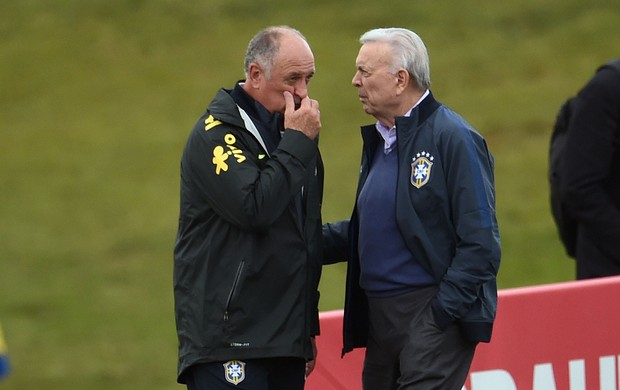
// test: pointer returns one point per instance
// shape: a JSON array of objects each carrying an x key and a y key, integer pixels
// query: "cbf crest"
[
  {"x": 234, "y": 371},
  {"x": 421, "y": 169}
]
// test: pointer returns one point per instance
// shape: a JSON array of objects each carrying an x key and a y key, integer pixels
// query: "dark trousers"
[
  {"x": 251, "y": 374},
  {"x": 406, "y": 350}
]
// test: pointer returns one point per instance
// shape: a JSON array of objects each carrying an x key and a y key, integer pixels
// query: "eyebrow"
[{"x": 299, "y": 74}]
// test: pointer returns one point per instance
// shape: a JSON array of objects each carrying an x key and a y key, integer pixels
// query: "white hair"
[{"x": 409, "y": 52}]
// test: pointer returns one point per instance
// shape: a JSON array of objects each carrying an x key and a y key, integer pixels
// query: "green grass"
[{"x": 98, "y": 97}]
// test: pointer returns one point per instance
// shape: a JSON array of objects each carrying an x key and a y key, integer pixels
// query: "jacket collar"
[
  {"x": 268, "y": 123},
  {"x": 225, "y": 107},
  {"x": 418, "y": 116}
]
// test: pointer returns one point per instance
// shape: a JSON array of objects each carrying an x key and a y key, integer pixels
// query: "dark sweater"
[{"x": 388, "y": 266}]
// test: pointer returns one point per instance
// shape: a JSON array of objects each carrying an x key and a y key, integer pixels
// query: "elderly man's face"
[
  {"x": 292, "y": 70},
  {"x": 376, "y": 84}
]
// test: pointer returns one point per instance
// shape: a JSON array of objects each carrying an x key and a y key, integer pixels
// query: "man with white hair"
[{"x": 422, "y": 244}]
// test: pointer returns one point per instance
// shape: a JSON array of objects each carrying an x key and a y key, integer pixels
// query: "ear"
[
  {"x": 255, "y": 75},
  {"x": 402, "y": 80}
]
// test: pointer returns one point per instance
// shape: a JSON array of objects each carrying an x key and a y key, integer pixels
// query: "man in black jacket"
[
  {"x": 247, "y": 254},
  {"x": 592, "y": 183}
]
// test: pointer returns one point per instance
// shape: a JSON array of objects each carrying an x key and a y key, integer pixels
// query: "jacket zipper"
[{"x": 233, "y": 289}]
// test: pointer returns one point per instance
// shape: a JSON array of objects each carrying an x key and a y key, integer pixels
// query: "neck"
[{"x": 406, "y": 102}]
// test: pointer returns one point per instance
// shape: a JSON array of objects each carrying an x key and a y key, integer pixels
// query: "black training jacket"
[{"x": 246, "y": 260}]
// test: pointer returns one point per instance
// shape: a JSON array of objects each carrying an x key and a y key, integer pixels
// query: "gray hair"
[
  {"x": 264, "y": 47},
  {"x": 409, "y": 52}
]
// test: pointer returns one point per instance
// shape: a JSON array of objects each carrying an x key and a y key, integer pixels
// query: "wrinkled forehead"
[
  {"x": 374, "y": 55},
  {"x": 294, "y": 54}
]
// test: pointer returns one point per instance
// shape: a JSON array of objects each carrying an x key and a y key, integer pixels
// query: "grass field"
[{"x": 97, "y": 98}]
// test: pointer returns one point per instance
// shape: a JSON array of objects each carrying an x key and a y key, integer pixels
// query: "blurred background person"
[{"x": 591, "y": 163}]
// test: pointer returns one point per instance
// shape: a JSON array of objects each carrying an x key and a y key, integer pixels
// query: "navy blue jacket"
[{"x": 445, "y": 206}]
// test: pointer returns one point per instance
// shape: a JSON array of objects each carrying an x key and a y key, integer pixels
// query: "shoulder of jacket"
[
  {"x": 448, "y": 120},
  {"x": 210, "y": 127},
  {"x": 222, "y": 110}
]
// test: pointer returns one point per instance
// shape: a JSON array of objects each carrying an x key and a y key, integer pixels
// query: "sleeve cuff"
[{"x": 298, "y": 145}]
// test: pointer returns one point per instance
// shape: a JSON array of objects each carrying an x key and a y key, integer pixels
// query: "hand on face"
[{"x": 306, "y": 118}]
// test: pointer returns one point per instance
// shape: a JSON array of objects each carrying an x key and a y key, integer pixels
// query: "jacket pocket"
[{"x": 233, "y": 289}]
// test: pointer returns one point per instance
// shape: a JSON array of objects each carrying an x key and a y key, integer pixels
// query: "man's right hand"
[{"x": 307, "y": 118}]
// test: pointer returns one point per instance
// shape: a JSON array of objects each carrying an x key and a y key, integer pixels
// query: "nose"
[
  {"x": 356, "y": 79},
  {"x": 301, "y": 89}
]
